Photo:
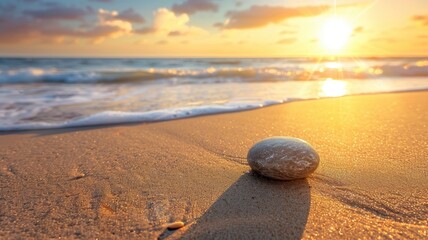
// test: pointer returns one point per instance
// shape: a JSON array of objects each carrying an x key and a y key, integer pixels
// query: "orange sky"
[{"x": 204, "y": 28}]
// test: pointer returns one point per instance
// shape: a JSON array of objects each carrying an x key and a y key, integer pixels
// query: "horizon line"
[{"x": 212, "y": 57}]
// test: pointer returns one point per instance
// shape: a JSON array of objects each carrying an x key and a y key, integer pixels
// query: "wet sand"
[{"x": 131, "y": 181}]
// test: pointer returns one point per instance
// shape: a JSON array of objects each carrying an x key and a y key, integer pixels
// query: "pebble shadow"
[{"x": 255, "y": 207}]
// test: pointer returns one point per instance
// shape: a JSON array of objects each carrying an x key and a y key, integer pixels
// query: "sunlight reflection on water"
[{"x": 333, "y": 88}]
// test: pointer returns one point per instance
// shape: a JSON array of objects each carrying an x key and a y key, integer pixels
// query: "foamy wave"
[
  {"x": 215, "y": 75},
  {"x": 32, "y": 75},
  {"x": 208, "y": 75},
  {"x": 44, "y": 106},
  {"x": 117, "y": 117}
]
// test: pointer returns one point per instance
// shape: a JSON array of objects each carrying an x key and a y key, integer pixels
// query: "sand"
[{"x": 131, "y": 181}]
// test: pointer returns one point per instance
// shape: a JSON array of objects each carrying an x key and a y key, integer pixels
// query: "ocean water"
[{"x": 41, "y": 93}]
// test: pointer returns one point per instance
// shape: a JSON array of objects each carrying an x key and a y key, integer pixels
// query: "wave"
[
  {"x": 46, "y": 106},
  {"x": 118, "y": 117},
  {"x": 214, "y": 75}
]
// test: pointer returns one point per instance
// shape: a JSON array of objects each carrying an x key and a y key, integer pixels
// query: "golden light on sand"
[
  {"x": 333, "y": 88},
  {"x": 335, "y": 34}
]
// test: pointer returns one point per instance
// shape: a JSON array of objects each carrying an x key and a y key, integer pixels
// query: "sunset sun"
[{"x": 335, "y": 34}]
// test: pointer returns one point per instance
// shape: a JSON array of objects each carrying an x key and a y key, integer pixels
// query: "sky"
[{"x": 213, "y": 28}]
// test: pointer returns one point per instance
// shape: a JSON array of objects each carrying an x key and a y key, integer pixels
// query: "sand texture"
[{"x": 131, "y": 181}]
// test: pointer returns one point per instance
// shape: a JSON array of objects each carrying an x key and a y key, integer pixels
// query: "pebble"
[
  {"x": 175, "y": 225},
  {"x": 283, "y": 158}
]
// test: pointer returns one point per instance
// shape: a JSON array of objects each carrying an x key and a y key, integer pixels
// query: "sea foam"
[{"x": 117, "y": 117}]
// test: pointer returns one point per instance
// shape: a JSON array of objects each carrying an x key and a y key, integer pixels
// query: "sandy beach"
[{"x": 131, "y": 181}]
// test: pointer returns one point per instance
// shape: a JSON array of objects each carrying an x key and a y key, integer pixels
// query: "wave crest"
[{"x": 214, "y": 75}]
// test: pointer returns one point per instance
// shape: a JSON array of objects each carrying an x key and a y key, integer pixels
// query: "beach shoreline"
[
  {"x": 167, "y": 119},
  {"x": 129, "y": 181}
]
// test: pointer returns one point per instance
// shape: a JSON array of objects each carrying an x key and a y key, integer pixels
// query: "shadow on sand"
[{"x": 255, "y": 207}]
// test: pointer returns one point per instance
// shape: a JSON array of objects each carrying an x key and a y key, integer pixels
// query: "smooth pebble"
[{"x": 283, "y": 158}]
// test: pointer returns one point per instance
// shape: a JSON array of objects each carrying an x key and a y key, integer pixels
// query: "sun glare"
[{"x": 335, "y": 34}]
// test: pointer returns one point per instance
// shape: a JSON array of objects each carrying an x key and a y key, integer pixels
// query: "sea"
[{"x": 49, "y": 93}]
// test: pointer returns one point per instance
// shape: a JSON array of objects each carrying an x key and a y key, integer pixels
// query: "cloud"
[
  {"x": 25, "y": 31},
  {"x": 60, "y": 23},
  {"x": 260, "y": 16},
  {"x": 97, "y": 33},
  {"x": 13, "y": 30},
  {"x": 144, "y": 30},
  {"x": 175, "y": 33},
  {"x": 131, "y": 16},
  {"x": 287, "y": 41},
  {"x": 422, "y": 19},
  {"x": 166, "y": 22},
  {"x": 192, "y": 6},
  {"x": 7, "y": 8},
  {"x": 112, "y": 19},
  {"x": 58, "y": 12},
  {"x": 128, "y": 15}
]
